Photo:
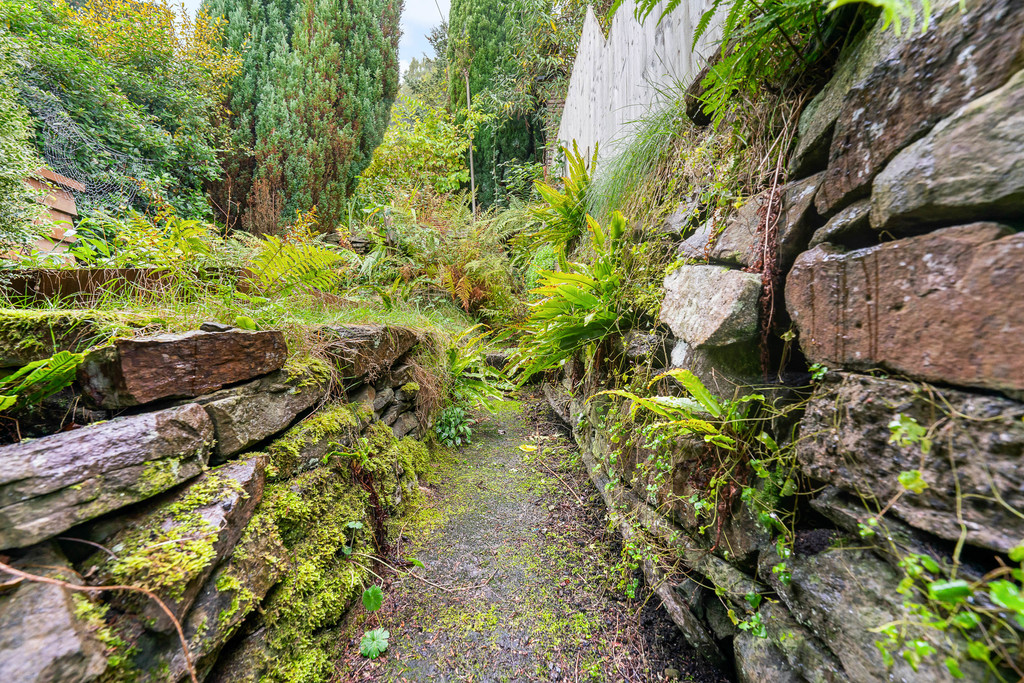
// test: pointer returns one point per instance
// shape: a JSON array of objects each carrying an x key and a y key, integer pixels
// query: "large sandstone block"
[
  {"x": 970, "y": 165},
  {"x": 711, "y": 305},
  {"x": 41, "y": 639},
  {"x": 173, "y": 548},
  {"x": 50, "y": 484},
  {"x": 944, "y": 307},
  {"x": 247, "y": 414},
  {"x": 361, "y": 350},
  {"x": 140, "y": 370},
  {"x": 977, "y": 446},
  {"x": 960, "y": 58}
]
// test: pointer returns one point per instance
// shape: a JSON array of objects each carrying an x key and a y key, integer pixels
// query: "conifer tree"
[
  {"x": 311, "y": 103},
  {"x": 476, "y": 35}
]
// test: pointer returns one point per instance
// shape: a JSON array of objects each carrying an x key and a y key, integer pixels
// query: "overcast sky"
[{"x": 417, "y": 20}]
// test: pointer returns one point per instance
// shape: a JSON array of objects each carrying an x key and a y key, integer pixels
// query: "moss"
[
  {"x": 119, "y": 653},
  {"x": 175, "y": 544},
  {"x": 410, "y": 388},
  {"x": 29, "y": 335},
  {"x": 308, "y": 371},
  {"x": 334, "y": 423},
  {"x": 157, "y": 476}
]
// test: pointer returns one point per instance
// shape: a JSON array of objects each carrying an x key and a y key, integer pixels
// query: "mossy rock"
[{"x": 31, "y": 335}]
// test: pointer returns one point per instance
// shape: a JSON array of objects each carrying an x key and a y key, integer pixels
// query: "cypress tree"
[
  {"x": 311, "y": 103},
  {"x": 476, "y": 37}
]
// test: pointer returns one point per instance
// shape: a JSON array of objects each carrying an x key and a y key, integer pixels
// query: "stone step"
[
  {"x": 50, "y": 484},
  {"x": 140, "y": 370}
]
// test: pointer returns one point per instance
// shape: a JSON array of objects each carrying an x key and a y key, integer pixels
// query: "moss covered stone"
[
  {"x": 31, "y": 335},
  {"x": 308, "y": 442}
]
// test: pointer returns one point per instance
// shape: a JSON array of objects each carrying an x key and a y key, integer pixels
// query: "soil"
[{"x": 521, "y": 578}]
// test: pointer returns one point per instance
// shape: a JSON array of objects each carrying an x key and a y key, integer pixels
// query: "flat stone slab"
[
  {"x": 928, "y": 307},
  {"x": 247, "y": 414},
  {"x": 711, "y": 305},
  {"x": 361, "y": 350},
  {"x": 41, "y": 639},
  {"x": 967, "y": 166},
  {"x": 845, "y": 442},
  {"x": 139, "y": 370},
  {"x": 28, "y": 335},
  {"x": 173, "y": 549},
  {"x": 50, "y": 484}
]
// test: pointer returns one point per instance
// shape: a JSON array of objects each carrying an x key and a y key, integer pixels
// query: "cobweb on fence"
[{"x": 110, "y": 178}]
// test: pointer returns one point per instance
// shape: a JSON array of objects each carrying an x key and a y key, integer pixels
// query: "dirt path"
[{"x": 525, "y": 581}]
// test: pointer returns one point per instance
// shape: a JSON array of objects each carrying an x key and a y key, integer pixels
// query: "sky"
[{"x": 418, "y": 18}]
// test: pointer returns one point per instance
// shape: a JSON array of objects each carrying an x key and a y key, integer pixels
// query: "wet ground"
[{"x": 521, "y": 577}]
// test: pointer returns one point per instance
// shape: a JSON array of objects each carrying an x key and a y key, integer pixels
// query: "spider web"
[{"x": 111, "y": 178}]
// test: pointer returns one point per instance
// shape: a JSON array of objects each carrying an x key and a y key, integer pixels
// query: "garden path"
[{"x": 522, "y": 578}]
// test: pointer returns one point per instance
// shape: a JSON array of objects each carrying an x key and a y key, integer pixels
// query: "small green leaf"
[
  {"x": 373, "y": 598},
  {"x": 374, "y": 643},
  {"x": 416, "y": 563},
  {"x": 913, "y": 481},
  {"x": 245, "y": 322},
  {"x": 949, "y": 591},
  {"x": 1016, "y": 553}
]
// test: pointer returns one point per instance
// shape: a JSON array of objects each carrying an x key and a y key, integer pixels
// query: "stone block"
[
  {"x": 842, "y": 595},
  {"x": 945, "y": 307},
  {"x": 818, "y": 119},
  {"x": 923, "y": 80},
  {"x": 41, "y": 639},
  {"x": 173, "y": 548},
  {"x": 758, "y": 661},
  {"x": 247, "y": 414},
  {"x": 711, "y": 305},
  {"x": 845, "y": 442},
  {"x": 361, "y": 350},
  {"x": 383, "y": 399},
  {"x": 140, "y": 370},
  {"x": 50, "y": 484},
  {"x": 405, "y": 424},
  {"x": 232, "y": 593},
  {"x": 968, "y": 166},
  {"x": 644, "y": 347},
  {"x": 724, "y": 370},
  {"x": 304, "y": 446},
  {"x": 848, "y": 224}
]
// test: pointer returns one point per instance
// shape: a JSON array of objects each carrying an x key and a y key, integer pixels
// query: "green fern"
[
  {"x": 563, "y": 215},
  {"x": 34, "y": 382},
  {"x": 281, "y": 265}
]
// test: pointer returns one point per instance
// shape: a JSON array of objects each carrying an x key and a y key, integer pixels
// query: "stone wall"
[
  {"x": 900, "y": 251},
  {"x": 617, "y": 80},
  {"x": 219, "y": 477}
]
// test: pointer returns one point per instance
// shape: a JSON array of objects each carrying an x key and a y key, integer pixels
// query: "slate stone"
[
  {"x": 818, "y": 120},
  {"x": 140, "y": 370},
  {"x": 50, "y": 484},
  {"x": 845, "y": 441},
  {"x": 925, "y": 79},
  {"x": 405, "y": 424},
  {"x": 28, "y": 335},
  {"x": 651, "y": 348},
  {"x": 212, "y": 511},
  {"x": 383, "y": 399},
  {"x": 758, "y": 661},
  {"x": 852, "y": 221},
  {"x": 969, "y": 165},
  {"x": 942, "y": 307},
  {"x": 724, "y": 370},
  {"x": 741, "y": 241},
  {"x": 41, "y": 639},
  {"x": 247, "y": 414},
  {"x": 711, "y": 305},
  {"x": 361, "y": 350},
  {"x": 234, "y": 591},
  {"x": 214, "y": 326},
  {"x": 844, "y": 594}
]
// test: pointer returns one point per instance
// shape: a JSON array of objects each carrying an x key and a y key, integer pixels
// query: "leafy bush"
[
  {"x": 580, "y": 306},
  {"x": 17, "y": 208},
  {"x": 453, "y": 428},
  {"x": 563, "y": 215}
]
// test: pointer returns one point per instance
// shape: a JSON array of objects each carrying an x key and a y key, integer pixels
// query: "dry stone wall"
[
  {"x": 900, "y": 251},
  {"x": 168, "y": 481}
]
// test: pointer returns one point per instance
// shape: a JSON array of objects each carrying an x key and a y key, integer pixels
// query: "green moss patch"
[{"x": 30, "y": 335}]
